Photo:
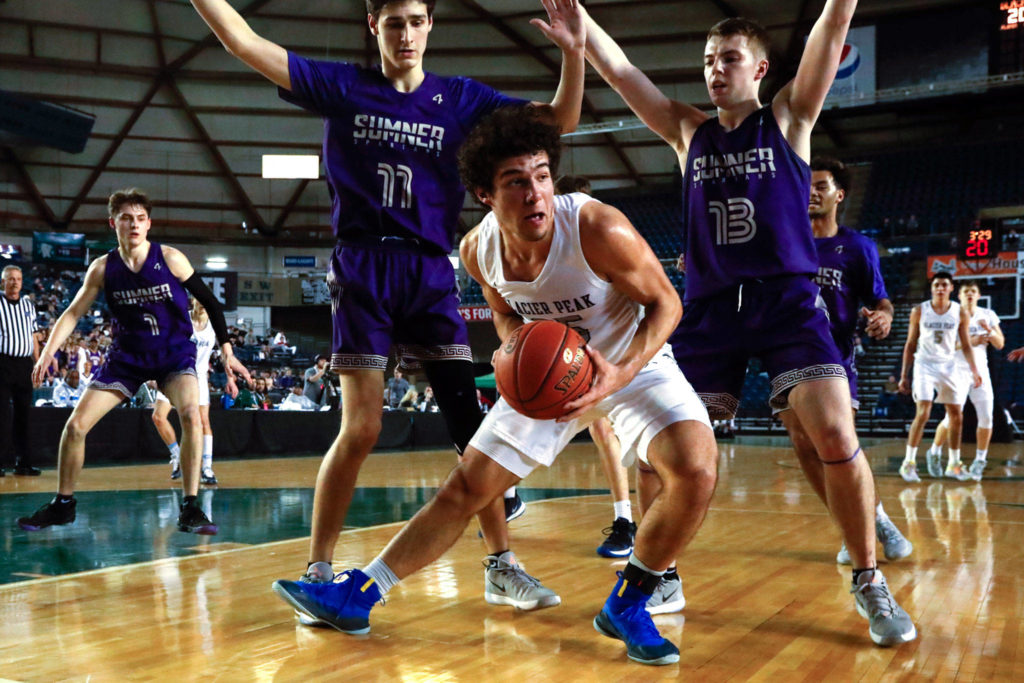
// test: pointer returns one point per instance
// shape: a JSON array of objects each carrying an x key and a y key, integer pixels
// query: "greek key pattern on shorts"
[
  {"x": 355, "y": 361},
  {"x": 171, "y": 375},
  {"x": 720, "y": 406},
  {"x": 111, "y": 386},
  {"x": 414, "y": 352},
  {"x": 788, "y": 380}
]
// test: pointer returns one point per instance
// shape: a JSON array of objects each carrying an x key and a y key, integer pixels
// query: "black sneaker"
[
  {"x": 51, "y": 514},
  {"x": 620, "y": 539},
  {"x": 175, "y": 470},
  {"x": 27, "y": 471},
  {"x": 193, "y": 520},
  {"x": 514, "y": 507},
  {"x": 207, "y": 477}
]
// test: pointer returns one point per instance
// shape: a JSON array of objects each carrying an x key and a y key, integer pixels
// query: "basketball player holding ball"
[{"x": 542, "y": 257}]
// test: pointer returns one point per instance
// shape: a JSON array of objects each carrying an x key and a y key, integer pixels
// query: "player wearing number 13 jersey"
[{"x": 750, "y": 257}]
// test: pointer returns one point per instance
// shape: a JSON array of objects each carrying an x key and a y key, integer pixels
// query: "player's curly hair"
[
  {"x": 374, "y": 7},
  {"x": 133, "y": 196},
  {"x": 840, "y": 173},
  {"x": 506, "y": 133}
]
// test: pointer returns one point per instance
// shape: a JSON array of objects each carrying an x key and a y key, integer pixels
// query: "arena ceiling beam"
[
  {"x": 31, "y": 190},
  {"x": 554, "y": 67}
]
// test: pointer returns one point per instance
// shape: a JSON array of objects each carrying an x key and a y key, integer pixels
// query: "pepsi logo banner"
[{"x": 855, "y": 79}]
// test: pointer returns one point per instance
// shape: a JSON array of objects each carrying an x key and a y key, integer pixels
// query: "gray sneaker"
[
  {"x": 935, "y": 464},
  {"x": 507, "y": 583},
  {"x": 957, "y": 471},
  {"x": 894, "y": 544},
  {"x": 976, "y": 469},
  {"x": 318, "y": 572},
  {"x": 667, "y": 597},
  {"x": 843, "y": 556},
  {"x": 889, "y": 624}
]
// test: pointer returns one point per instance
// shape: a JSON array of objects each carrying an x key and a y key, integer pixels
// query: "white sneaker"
[
  {"x": 668, "y": 596},
  {"x": 908, "y": 471},
  {"x": 957, "y": 471},
  {"x": 977, "y": 469},
  {"x": 843, "y": 556},
  {"x": 507, "y": 583}
]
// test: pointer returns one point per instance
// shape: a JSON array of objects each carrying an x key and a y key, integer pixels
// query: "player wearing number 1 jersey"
[
  {"x": 390, "y": 140},
  {"x": 750, "y": 258},
  {"x": 146, "y": 287}
]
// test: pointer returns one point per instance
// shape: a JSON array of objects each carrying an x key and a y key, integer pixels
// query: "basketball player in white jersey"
[
  {"x": 542, "y": 257},
  {"x": 206, "y": 341},
  {"x": 937, "y": 328},
  {"x": 984, "y": 330}
]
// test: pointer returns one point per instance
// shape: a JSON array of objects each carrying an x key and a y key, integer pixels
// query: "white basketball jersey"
[
  {"x": 567, "y": 290},
  {"x": 206, "y": 341},
  {"x": 989, "y": 317},
  {"x": 938, "y": 334}
]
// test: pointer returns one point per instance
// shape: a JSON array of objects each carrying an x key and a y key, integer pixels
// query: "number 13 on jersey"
[{"x": 734, "y": 220}]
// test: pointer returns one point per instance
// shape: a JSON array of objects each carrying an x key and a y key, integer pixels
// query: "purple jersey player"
[
  {"x": 849, "y": 276},
  {"x": 390, "y": 138},
  {"x": 750, "y": 257},
  {"x": 147, "y": 287}
]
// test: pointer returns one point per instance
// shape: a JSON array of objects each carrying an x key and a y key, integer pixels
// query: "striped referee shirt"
[{"x": 17, "y": 326}]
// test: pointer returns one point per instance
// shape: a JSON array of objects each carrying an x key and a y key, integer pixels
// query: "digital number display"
[
  {"x": 1013, "y": 14},
  {"x": 980, "y": 241}
]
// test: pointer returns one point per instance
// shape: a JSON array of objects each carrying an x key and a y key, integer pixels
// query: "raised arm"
[
  {"x": 506, "y": 320},
  {"x": 913, "y": 332},
  {"x": 675, "y": 122},
  {"x": 565, "y": 29},
  {"x": 65, "y": 325},
  {"x": 799, "y": 103},
  {"x": 266, "y": 57}
]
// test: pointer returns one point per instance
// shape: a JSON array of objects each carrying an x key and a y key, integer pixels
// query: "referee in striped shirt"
[{"x": 19, "y": 347}]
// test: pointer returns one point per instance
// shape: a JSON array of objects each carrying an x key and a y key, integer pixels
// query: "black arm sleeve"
[{"x": 200, "y": 291}]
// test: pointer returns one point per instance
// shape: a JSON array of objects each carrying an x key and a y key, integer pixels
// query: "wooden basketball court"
[{"x": 765, "y": 599}]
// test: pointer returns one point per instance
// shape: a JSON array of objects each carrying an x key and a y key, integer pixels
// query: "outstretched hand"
[
  {"x": 566, "y": 29},
  {"x": 46, "y": 365},
  {"x": 1016, "y": 354},
  {"x": 233, "y": 366},
  {"x": 608, "y": 379},
  {"x": 879, "y": 322}
]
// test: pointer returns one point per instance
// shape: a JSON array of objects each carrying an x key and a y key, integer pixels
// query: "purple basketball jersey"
[
  {"x": 391, "y": 156},
  {"x": 745, "y": 202},
  {"x": 848, "y": 274},
  {"x": 149, "y": 308}
]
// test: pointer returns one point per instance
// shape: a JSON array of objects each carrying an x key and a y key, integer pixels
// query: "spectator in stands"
[
  {"x": 912, "y": 225},
  {"x": 888, "y": 397},
  {"x": 395, "y": 389},
  {"x": 286, "y": 380},
  {"x": 409, "y": 400},
  {"x": 858, "y": 346},
  {"x": 428, "y": 404},
  {"x": 259, "y": 395},
  {"x": 297, "y": 401},
  {"x": 315, "y": 379},
  {"x": 281, "y": 342},
  {"x": 67, "y": 392},
  {"x": 245, "y": 400}
]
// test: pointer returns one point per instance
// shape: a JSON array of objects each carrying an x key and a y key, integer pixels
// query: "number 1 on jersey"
[{"x": 400, "y": 174}]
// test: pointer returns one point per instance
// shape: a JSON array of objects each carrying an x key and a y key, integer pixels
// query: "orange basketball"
[{"x": 541, "y": 367}]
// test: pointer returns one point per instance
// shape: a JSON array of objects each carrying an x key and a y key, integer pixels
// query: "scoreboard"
[{"x": 979, "y": 241}]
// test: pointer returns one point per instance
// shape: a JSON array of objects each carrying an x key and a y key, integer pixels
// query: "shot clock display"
[{"x": 980, "y": 241}]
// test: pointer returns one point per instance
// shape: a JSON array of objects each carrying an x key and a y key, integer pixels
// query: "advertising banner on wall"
[
  {"x": 59, "y": 247},
  {"x": 855, "y": 79},
  {"x": 224, "y": 285},
  {"x": 1003, "y": 264}
]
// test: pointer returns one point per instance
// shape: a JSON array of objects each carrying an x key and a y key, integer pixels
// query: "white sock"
[
  {"x": 880, "y": 515},
  {"x": 936, "y": 449},
  {"x": 175, "y": 450},
  {"x": 511, "y": 493},
  {"x": 382, "y": 574},
  {"x": 981, "y": 455},
  {"x": 911, "y": 456},
  {"x": 208, "y": 450},
  {"x": 954, "y": 457},
  {"x": 624, "y": 509}
]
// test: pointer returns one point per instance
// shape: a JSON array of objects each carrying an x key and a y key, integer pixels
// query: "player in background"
[
  {"x": 750, "y": 258},
  {"x": 147, "y": 286},
  {"x": 206, "y": 341},
  {"x": 937, "y": 328},
  {"x": 983, "y": 331},
  {"x": 396, "y": 199},
  {"x": 598, "y": 257},
  {"x": 849, "y": 275}
]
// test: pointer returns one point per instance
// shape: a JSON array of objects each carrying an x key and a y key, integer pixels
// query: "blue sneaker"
[
  {"x": 344, "y": 604},
  {"x": 625, "y": 617},
  {"x": 620, "y": 539}
]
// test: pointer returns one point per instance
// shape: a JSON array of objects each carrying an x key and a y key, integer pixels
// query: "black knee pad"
[{"x": 455, "y": 391}]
